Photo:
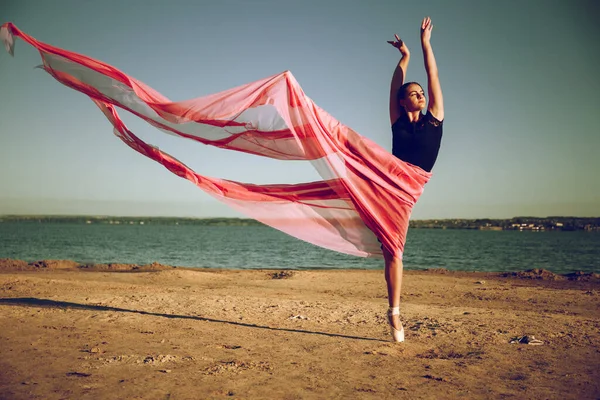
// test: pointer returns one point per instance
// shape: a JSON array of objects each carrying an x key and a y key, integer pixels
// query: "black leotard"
[{"x": 419, "y": 142}]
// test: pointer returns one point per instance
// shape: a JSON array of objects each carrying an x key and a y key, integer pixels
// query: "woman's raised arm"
[
  {"x": 434, "y": 89},
  {"x": 398, "y": 78}
]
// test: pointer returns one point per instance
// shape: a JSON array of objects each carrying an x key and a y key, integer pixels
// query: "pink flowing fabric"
[{"x": 365, "y": 193}]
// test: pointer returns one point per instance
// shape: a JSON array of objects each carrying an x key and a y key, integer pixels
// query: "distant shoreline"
[{"x": 558, "y": 223}]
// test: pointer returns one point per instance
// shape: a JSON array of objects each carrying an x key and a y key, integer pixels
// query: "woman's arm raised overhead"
[
  {"x": 398, "y": 78},
  {"x": 434, "y": 89}
]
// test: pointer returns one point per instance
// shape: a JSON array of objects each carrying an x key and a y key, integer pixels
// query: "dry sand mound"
[
  {"x": 7, "y": 265},
  {"x": 536, "y": 273}
]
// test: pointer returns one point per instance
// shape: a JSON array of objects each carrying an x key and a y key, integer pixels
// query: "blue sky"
[{"x": 519, "y": 79}]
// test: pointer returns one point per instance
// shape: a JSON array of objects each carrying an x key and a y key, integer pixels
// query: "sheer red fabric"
[{"x": 365, "y": 193}]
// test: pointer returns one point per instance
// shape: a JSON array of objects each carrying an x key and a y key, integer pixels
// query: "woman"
[{"x": 416, "y": 140}]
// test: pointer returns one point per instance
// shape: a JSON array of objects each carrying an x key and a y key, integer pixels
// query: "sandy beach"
[{"x": 74, "y": 331}]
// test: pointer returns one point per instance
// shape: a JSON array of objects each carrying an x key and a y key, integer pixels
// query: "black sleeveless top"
[{"x": 418, "y": 142}]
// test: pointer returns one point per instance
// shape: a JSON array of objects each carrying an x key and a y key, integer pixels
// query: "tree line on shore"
[
  {"x": 114, "y": 220},
  {"x": 516, "y": 223}
]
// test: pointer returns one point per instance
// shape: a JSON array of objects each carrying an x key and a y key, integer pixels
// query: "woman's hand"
[
  {"x": 400, "y": 45},
  {"x": 426, "y": 27}
]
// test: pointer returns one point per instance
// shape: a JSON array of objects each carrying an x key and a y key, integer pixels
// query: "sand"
[{"x": 158, "y": 332}]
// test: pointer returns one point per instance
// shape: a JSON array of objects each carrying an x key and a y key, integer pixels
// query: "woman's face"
[{"x": 414, "y": 98}]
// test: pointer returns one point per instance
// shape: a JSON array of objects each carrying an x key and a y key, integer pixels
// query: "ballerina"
[
  {"x": 365, "y": 193},
  {"x": 416, "y": 139}
]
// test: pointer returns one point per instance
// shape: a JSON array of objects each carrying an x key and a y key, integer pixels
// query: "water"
[{"x": 247, "y": 247}]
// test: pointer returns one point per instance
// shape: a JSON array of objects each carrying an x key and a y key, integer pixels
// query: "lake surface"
[{"x": 250, "y": 247}]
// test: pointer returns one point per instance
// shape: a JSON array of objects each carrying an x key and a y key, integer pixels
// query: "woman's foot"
[{"x": 396, "y": 328}]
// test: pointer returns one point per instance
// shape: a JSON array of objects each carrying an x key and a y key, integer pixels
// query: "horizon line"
[{"x": 252, "y": 219}]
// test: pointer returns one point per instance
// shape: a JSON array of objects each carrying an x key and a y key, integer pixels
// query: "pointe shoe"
[{"x": 397, "y": 334}]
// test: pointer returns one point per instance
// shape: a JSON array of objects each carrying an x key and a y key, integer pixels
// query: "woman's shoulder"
[
  {"x": 429, "y": 117},
  {"x": 402, "y": 120}
]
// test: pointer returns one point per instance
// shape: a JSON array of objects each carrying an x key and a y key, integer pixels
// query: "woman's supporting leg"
[{"x": 393, "y": 277}]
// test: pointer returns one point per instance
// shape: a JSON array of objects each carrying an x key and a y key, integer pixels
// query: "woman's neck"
[{"x": 413, "y": 116}]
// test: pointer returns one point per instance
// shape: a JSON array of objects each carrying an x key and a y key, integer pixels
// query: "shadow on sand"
[{"x": 34, "y": 302}]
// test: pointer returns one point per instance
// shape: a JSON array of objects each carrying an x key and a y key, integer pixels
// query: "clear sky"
[{"x": 519, "y": 78}]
